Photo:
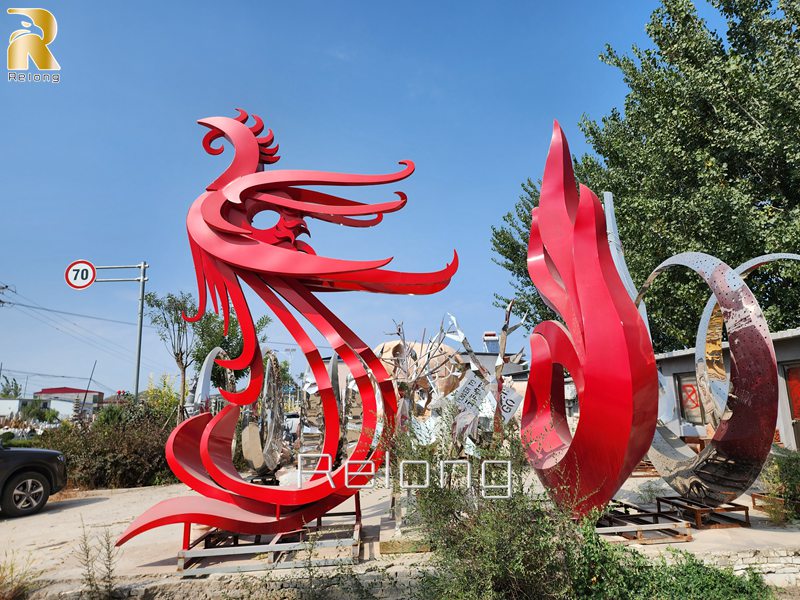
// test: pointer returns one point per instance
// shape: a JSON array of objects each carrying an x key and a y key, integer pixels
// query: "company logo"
[{"x": 27, "y": 44}]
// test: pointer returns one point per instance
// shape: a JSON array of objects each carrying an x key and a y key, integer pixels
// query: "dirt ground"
[{"x": 50, "y": 540}]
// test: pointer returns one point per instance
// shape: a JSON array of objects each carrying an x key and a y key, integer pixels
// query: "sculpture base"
[
  {"x": 638, "y": 526},
  {"x": 337, "y": 542},
  {"x": 706, "y": 516}
]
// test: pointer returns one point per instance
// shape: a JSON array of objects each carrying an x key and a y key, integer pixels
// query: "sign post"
[{"x": 80, "y": 274}]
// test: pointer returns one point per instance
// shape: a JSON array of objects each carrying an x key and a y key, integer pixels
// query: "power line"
[
  {"x": 54, "y": 376},
  {"x": 37, "y": 306},
  {"x": 102, "y": 343},
  {"x": 108, "y": 349},
  {"x": 64, "y": 312}
]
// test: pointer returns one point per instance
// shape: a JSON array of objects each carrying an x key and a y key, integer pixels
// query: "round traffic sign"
[{"x": 80, "y": 274}]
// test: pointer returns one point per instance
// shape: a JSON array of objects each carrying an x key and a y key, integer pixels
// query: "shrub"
[
  {"x": 686, "y": 576},
  {"x": 525, "y": 547},
  {"x": 120, "y": 449},
  {"x": 781, "y": 477},
  {"x": 34, "y": 411},
  {"x": 20, "y": 443}
]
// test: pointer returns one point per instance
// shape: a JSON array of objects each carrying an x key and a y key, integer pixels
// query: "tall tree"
[
  {"x": 166, "y": 315},
  {"x": 209, "y": 333},
  {"x": 704, "y": 157}
]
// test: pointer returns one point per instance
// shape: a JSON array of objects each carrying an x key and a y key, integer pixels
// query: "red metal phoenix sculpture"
[
  {"x": 282, "y": 270},
  {"x": 603, "y": 344}
]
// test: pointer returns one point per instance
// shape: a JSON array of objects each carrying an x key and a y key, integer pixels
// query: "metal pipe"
[
  {"x": 116, "y": 279},
  {"x": 86, "y": 393},
  {"x": 139, "y": 266},
  {"x": 142, "y": 272}
]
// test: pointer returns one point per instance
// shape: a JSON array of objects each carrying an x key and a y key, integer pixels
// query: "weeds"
[
  {"x": 313, "y": 583},
  {"x": 781, "y": 477},
  {"x": 650, "y": 490},
  {"x": 91, "y": 552},
  {"x": 17, "y": 580},
  {"x": 526, "y": 547},
  {"x": 311, "y": 571}
]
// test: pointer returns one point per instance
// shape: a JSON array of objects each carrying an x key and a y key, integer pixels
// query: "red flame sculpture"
[
  {"x": 282, "y": 269},
  {"x": 603, "y": 344}
]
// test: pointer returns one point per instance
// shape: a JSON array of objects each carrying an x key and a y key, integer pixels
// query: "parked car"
[{"x": 27, "y": 478}]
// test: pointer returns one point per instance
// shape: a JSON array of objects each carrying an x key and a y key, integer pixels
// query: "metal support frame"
[
  {"x": 639, "y": 526},
  {"x": 706, "y": 516},
  {"x": 219, "y": 544},
  {"x": 763, "y": 501},
  {"x": 645, "y": 469},
  {"x": 142, "y": 278}
]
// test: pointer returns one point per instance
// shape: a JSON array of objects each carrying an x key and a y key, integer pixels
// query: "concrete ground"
[
  {"x": 50, "y": 540},
  {"x": 762, "y": 534}
]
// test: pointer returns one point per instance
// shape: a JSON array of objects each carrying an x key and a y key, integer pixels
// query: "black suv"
[{"x": 27, "y": 478}]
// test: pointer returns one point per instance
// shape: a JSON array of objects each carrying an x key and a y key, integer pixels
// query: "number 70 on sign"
[{"x": 80, "y": 274}]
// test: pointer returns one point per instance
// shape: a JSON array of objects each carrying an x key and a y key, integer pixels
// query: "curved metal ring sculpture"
[
  {"x": 263, "y": 446},
  {"x": 282, "y": 270},
  {"x": 734, "y": 458},
  {"x": 605, "y": 346},
  {"x": 712, "y": 378}
]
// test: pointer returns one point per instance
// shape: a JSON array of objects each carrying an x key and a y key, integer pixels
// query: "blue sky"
[{"x": 105, "y": 164}]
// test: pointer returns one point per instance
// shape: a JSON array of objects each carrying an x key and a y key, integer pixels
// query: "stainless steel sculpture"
[
  {"x": 264, "y": 446},
  {"x": 733, "y": 459},
  {"x": 744, "y": 406},
  {"x": 712, "y": 378}
]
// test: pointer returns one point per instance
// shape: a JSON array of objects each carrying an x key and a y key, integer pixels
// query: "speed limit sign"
[{"x": 80, "y": 274}]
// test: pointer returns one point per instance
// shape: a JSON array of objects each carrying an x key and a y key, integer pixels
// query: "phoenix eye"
[{"x": 266, "y": 219}]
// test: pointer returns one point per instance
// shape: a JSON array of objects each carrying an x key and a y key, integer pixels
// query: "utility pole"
[
  {"x": 142, "y": 279},
  {"x": 86, "y": 393},
  {"x": 82, "y": 274}
]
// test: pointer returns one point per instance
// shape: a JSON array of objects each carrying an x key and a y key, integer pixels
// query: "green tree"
[
  {"x": 166, "y": 314},
  {"x": 286, "y": 375},
  {"x": 209, "y": 334},
  {"x": 35, "y": 411},
  {"x": 161, "y": 398},
  {"x": 704, "y": 157},
  {"x": 10, "y": 388}
]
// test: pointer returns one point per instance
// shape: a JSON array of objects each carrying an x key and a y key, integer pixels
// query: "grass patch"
[{"x": 17, "y": 578}]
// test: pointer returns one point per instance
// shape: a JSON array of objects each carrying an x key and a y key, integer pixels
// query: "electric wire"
[
  {"x": 108, "y": 349},
  {"x": 118, "y": 348},
  {"x": 73, "y": 314},
  {"x": 102, "y": 343},
  {"x": 54, "y": 376}
]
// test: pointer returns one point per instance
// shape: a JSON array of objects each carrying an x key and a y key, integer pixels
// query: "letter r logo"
[{"x": 25, "y": 44}]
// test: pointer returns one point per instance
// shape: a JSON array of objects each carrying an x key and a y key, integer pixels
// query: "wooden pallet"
[
  {"x": 638, "y": 526},
  {"x": 706, "y": 516}
]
